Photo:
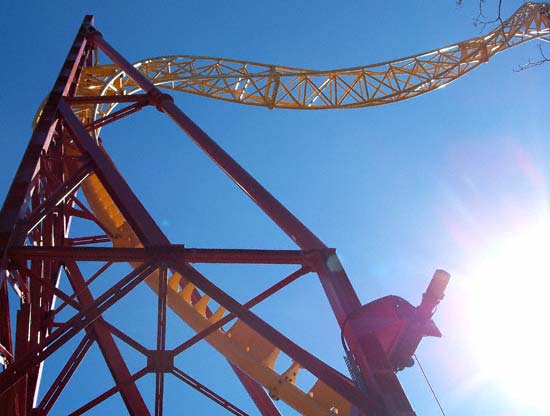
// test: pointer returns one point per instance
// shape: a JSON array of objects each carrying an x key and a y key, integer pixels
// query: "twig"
[{"x": 531, "y": 64}]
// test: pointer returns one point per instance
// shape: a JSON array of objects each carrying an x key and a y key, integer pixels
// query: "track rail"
[{"x": 276, "y": 86}]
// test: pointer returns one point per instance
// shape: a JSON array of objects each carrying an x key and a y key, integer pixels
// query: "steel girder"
[{"x": 64, "y": 158}]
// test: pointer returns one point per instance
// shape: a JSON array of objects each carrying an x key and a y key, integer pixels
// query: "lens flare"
[{"x": 509, "y": 306}]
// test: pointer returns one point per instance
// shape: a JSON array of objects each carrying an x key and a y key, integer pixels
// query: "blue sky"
[{"x": 439, "y": 181}]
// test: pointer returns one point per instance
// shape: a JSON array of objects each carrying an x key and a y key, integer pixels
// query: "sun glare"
[{"x": 509, "y": 306}]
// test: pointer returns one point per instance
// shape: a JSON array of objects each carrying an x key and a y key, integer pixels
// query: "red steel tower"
[{"x": 66, "y": 176}]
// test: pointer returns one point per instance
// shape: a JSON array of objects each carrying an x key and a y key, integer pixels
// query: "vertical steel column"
[
  {"x": 18, "y": 400},
  {"x": 16, "y": 199}
]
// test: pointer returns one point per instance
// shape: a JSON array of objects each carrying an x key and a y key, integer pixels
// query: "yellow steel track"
[{"x": 275, "y": 86}]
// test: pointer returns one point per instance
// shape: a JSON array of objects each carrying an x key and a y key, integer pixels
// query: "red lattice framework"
[{"x": 36, "y": 248}]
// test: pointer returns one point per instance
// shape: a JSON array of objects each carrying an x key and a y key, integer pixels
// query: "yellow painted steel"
[
  {"x": 275, "y": 86},
  {"x": 283, "y": 87}
]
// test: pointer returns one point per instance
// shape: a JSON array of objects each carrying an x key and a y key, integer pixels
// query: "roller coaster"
[{"x": 66, "y": 174}]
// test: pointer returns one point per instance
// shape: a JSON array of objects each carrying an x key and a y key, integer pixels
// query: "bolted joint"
[
  {"x": 160, "y": 361},
  {"x": 158, "y": 99},
  {"x": 319, "y": 259},
  {"x": 163, "y": 253},
  {"x": 92, "y": 33}
]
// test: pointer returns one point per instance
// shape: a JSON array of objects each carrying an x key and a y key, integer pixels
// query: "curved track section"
[{"x": 276, "y": 86}]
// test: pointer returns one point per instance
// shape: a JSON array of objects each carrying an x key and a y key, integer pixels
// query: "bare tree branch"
[
  {"x": 530, "y": 63},
  {"x": 482, "y": 20}
]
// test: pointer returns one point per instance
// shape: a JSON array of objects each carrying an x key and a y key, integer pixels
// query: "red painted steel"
[
  {"x": 164, "y": 102},
  {"x": 15, "y": 204},
  {"x": 116, "y": 115},
  {"x": 161, "y": 342},
  {"x": 47, "y": 286},
  {"x": 64, "y": 190},
  {"x": 39, "y": 207},
  {"x": 208, "y": 393},
  {"x": 5, "y": 324},
  {"x": 7, "y": 404},
  {"x": 64, "y": 376},
  {"x": 106, "y": 394},
  {"x": 150, "y": 234},
  {"x": 102, "y": 99},
  {"x": 262, "y": 401},
  {"x": 33, "y": 164},
  {"x": 117, "y": 367},
  {"x": 145, "y": 227},
  {"x": 170, "y": 252},
  {"x": 30, "y": 329}
]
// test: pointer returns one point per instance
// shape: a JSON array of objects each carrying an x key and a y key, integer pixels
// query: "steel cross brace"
[
  {"x": 336, "y": 284},
  {"x": 17, "y": 198},
  {"x": 14, "y": 207},
  {"x": 81, "y": 320},
  {"x": 107, "y": 345}
]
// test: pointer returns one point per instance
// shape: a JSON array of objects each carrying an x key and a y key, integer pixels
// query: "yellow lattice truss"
[{"x": 276, "y": 86}]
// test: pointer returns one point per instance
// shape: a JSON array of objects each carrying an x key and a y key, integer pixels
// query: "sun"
[{"x": 509, "y": 310}]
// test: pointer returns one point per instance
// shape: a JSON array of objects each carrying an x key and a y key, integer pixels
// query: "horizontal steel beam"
[
  {"x": 99, "y": 99},
  {"x": 169, "y": 252}
]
